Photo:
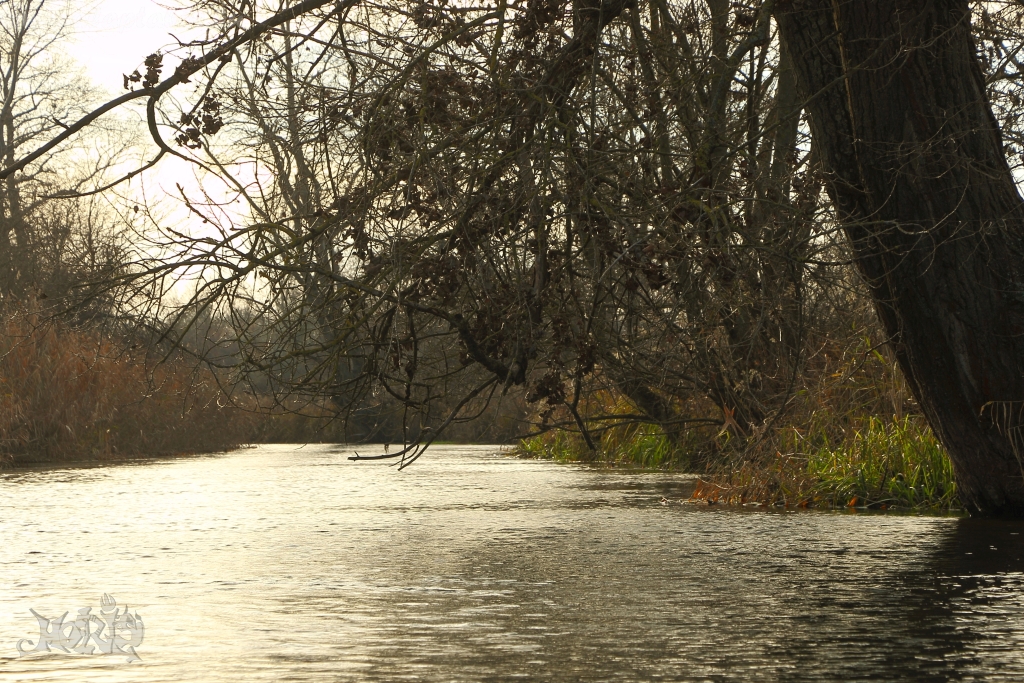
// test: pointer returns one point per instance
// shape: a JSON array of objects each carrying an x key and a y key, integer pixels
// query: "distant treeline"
[{"x": 72, "y": 393}]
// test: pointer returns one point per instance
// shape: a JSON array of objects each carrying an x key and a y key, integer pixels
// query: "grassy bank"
[
  {"x": 69, "y": 394},
  {"x": 622, "y": 443},
  {"x": 894, "y": 463},
  {"x": 636, "y": 446},
  {"x": 851, "y": 437}
]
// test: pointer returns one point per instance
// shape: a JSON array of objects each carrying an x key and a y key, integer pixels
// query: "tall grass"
[
  {"x": 69, "y": 394},
  {"x": 896, "y": 462},
  {"x": 836, "y": 449},
  {"x": 624, "y": 443}
]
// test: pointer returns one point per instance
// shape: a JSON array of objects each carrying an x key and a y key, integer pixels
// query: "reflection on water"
[{"x": 281, "y": 563}]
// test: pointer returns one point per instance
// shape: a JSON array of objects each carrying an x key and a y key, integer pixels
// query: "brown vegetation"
[
  {"x": 68, "y": 394},
  {"x": 852, "y": 436}
]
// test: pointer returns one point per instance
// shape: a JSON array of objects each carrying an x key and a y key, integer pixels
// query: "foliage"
[
  {"x": 888, "y": 463},
  {"x": 634, "y": 445},
  {"x": 621, "y": 439}
]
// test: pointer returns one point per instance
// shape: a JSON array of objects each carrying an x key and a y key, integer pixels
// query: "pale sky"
[
  {"x": 116, "y": 36},
  {"x": 112, "y": 38}
]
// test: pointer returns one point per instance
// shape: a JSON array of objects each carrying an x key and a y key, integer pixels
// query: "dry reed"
[{"x": 68, "y": 394}]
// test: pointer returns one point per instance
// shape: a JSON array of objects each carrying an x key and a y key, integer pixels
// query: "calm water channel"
[{"x": 292, "y": 564}]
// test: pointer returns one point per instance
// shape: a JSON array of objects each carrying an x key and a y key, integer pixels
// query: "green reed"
[
  {"x": 634, "y": 445},
  {"x": 887, "y": 463}
]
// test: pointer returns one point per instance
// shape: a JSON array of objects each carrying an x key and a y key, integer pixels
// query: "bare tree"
[
  {"x": 561, "y": 196},
  {"x": 49, "y": 239}
]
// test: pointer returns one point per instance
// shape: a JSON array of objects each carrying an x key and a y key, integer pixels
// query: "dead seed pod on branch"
[{"x": 203, "y": 120}]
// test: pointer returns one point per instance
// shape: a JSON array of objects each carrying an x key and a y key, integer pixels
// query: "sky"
[
  {"x": 115, "y": 36},
  {"x": 112, "y": 38}
]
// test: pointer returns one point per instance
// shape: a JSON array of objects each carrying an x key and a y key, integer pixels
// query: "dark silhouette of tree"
[
  {"x": 444, "y": 202},
  {"x": 918, "y": 174}
]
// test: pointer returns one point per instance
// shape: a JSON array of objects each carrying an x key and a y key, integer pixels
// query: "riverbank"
[
  {"x": 886, "y": 464},
  {"x": 77, "y": 395},
  {"x": 71, "y": 395},
  {"x": 894, "y": 463},
  {"x": 849, "y": 435},
  {"x": 74, "y": 395}
]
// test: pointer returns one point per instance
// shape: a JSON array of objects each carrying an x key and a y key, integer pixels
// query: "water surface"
[{"x": 284, "y": 563}]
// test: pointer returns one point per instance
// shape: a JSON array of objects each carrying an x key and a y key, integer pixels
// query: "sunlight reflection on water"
[{"x": 285, "y": 563}]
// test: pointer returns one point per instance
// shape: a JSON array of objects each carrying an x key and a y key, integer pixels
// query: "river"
[{"x": 286, "y": 563}]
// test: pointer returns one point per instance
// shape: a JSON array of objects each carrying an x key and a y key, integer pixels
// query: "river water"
[{"x": 283, "y": 563}]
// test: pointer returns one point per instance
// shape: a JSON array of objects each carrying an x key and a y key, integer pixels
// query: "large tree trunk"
[{"x": 921, "y": 185}]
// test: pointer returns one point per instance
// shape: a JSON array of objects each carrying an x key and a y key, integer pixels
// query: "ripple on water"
[{"x": 286, "y": 563}]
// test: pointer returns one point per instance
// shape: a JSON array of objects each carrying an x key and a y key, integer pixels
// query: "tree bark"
[{"x": 920, "y": 182}]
